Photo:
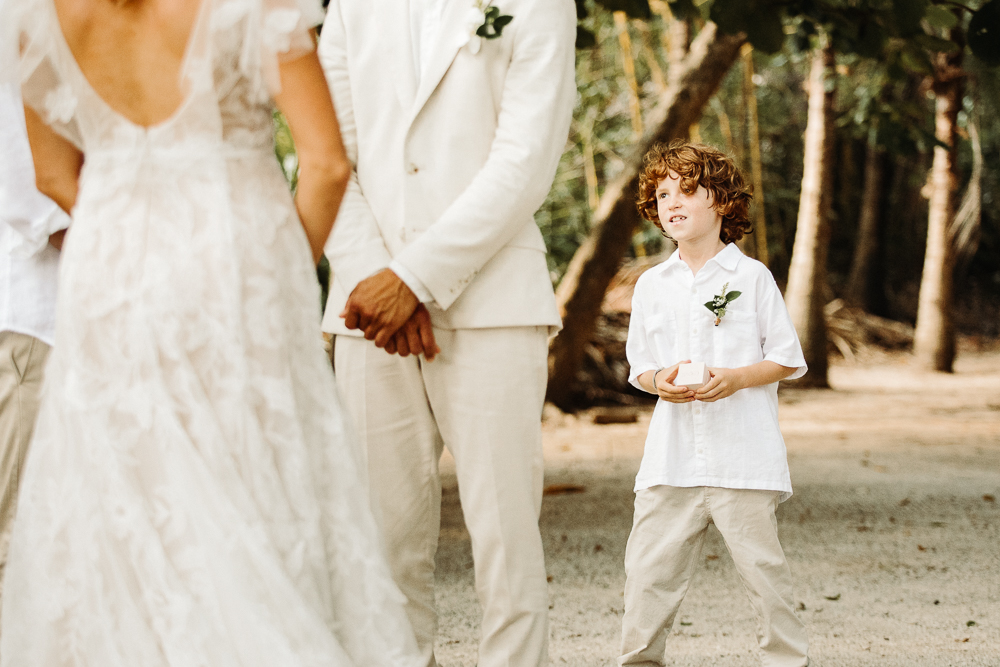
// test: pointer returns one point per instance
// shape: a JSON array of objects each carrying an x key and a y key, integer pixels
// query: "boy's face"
[{"x": 686, "y": 217}]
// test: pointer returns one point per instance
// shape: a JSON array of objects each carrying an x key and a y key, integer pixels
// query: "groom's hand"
[
  {"x": 415, "y": 337},
  {"x": 379, "y": 306}
]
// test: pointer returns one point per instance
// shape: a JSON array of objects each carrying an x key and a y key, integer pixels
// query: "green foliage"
[
  {"x": 636, "y": 9},
  {"x": 584, "y": 38},
  {"x": 495, "y": 22},
  {"x": 984, "y": 33},
  {"x": 884, "y": 108},
  {"x": 761, "y": 20},
  {"x": 685, "y": 10},
  {"x": 284, "y": 150}
]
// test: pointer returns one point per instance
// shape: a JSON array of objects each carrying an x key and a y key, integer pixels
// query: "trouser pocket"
[{"x": 20, "y": 349}]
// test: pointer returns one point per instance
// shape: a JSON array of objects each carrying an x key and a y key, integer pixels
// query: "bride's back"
[{"x": 131, "y": 51}]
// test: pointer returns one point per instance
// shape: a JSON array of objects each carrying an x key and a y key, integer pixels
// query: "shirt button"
[
  {"x": 697, "y": 411},
  {"x": 411, "y": 169}
]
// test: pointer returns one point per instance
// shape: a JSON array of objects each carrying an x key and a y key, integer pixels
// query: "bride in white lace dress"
[{"x": 191, "y": 498}]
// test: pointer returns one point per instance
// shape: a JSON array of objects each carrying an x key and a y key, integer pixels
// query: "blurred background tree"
[{"x": 881, "y": 98}]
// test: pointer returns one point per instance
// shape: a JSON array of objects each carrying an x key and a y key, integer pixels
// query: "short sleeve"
[
  {"x": 276, "y": 31},
  {"x": 637, "y": 350},
  {"x": 779, "y": 341},
  {"x": 31, "y": 58}
]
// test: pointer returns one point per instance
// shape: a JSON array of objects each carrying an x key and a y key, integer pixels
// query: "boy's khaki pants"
[
  {"x": 664, "y": 549},
  {"x": 22, "y": 360}
]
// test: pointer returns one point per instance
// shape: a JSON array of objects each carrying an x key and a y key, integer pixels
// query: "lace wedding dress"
[{"x": 191, "y": 497}]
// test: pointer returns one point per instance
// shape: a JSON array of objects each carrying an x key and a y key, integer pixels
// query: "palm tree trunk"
[
  {"x": 806, "y": 292},
  {"x": 934, "y": 337},
  {"x": 866, "y": 247},
  {"x": 628, "y": 67},
  {"x": 756, "y": 164},
  {"x": 595, "y": 263}
]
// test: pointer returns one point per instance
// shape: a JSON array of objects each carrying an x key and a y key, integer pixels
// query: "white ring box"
[{"x": 692, "y": 375}]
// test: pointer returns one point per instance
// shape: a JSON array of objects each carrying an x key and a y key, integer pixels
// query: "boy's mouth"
[{"x": 677, "y": 218}]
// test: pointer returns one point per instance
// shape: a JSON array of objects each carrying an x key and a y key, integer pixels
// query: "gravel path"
[{"x": 893, "y": 534}]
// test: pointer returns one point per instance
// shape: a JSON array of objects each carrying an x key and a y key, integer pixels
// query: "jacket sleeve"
[
  {"x": 355, "y": 247},
  {"x": 535, "y": 113}
]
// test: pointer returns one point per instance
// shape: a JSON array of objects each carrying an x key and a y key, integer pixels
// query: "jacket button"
[{"x": 412, "y": 168}]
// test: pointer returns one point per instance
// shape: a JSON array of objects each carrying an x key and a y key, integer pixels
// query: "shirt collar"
[{"x": 727, "y": 258}]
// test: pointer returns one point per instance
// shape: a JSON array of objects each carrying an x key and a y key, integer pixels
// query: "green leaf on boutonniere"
[
  {"x": 494, "y": 24},
  {"x": 719, "y": 302}
]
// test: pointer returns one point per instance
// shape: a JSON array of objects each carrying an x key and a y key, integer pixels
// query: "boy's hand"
[
  {"x": 670, "y": 392},
  {"x": 725, "y": 382}
]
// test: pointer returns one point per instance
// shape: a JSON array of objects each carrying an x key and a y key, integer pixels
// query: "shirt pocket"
[{"x": 737, "y": 340}]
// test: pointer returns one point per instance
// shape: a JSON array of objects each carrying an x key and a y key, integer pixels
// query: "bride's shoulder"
[{"x": 277, "y": 13}]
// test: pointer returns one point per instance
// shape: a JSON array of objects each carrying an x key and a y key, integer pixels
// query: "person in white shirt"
[
  {"x": 455, "y": 114},
  {"x": 714, "y": 452},
  {"x": 28, "y": 275}
]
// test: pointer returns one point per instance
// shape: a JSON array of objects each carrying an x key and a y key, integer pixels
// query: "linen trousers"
[
  {"x": 664, "y": 548},
  {"x": 482, "y": 398},
  {"x": 22, "y": 362}
]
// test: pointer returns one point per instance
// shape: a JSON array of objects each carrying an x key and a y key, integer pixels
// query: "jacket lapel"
[
  {"x": 404, "y": 76},
  {"x": 450, "y": 40}
]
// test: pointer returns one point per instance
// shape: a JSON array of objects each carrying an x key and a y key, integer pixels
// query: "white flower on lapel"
[
  {"x": 60, "y": 105},
  {"x": 475, "y": 17},
  {"x": 483, "y": 21}
]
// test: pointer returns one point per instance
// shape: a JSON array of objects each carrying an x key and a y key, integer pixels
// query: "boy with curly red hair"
[{"x": 714, "y": 452}]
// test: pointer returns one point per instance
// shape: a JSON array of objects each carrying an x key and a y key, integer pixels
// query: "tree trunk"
[
  {"x": 934, "y": 337},
  {"x": 628, "y": 67},
  {"x": 595, "y": 263},
  {"x": 756, "y": 164},
  {"x": 859, "y": 284},
  {"x": 806, "y": 292}
]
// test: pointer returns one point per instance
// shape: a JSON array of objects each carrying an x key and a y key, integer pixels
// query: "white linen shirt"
[
  {"x": 735, "y": 442},
  {"x": 29, "y": 266}
]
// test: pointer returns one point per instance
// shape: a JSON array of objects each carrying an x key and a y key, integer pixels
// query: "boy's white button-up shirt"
[
  {"x": 734, "y": 442},
  {"x": 29, "y": 266}
]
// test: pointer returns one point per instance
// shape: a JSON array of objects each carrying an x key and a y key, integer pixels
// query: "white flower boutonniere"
[
  {"x": 484, "y": 22},
  {"x": 719, "y": 302}
]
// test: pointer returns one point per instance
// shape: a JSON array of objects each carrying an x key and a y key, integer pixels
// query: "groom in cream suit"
[{"x": 455, "y": 140}]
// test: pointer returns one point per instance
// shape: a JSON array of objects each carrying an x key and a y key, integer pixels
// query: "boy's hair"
[{"x": 698, "y": 164}]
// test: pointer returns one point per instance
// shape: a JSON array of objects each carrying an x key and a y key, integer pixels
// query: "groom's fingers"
[
  {"x": 400, "y": 343},
  {"x": 422, "y": 323},
  {"x": 350, "y": 318},
  {"x": 383, "y": 335},
  {"x": 427, "y": 339},
  {"x": 411, "y": 334},
  {"x": 392, "y": 348}
]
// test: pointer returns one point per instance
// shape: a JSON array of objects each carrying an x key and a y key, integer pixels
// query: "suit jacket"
[{"x": 449, "y": 170}]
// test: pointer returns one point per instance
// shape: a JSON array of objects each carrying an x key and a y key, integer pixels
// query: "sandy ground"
[{"x": 893, "y": 534}]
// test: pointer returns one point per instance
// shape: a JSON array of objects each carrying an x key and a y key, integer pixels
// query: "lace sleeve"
[
  {"x": 277, "y": 31},
  {"x": 31, "y": 58}
]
